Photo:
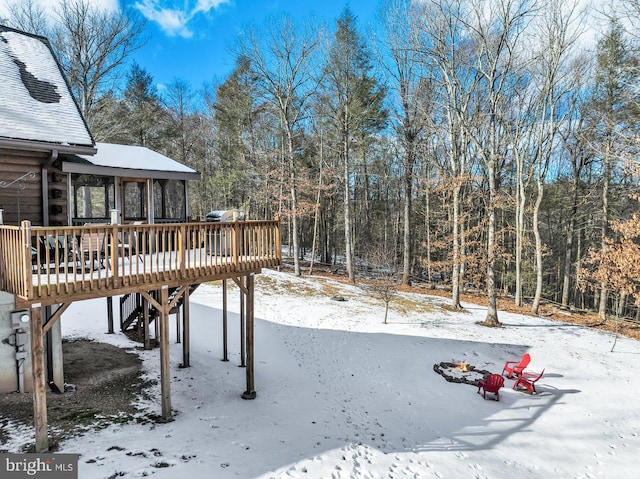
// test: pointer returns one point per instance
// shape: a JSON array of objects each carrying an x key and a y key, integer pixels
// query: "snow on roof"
[
  {"x": 125, "y": 160},
  {"x": 136, "y": 157},
  {"x": 35, "y": 101}
]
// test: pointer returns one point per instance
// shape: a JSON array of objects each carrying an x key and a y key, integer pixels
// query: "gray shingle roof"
[{"x": 35, "y": 101}]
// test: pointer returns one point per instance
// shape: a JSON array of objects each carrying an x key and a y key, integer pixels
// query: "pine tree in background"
[
  {"x": 611, "y": 114},
  {"x": 232, "y": 121},
  {"x": 357, "y": 113},
  {"x": 141, "y": 110}
]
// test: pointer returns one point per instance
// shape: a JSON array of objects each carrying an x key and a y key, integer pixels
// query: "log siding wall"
[{"x": 23, "y": 200}]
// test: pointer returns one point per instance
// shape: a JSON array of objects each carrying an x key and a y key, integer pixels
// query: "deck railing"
[{"x": 48, "y": 263}]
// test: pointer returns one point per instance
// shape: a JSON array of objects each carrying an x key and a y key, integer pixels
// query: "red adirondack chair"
[
  {"x": 515, "y": 368},
  {"x": 528, "y": 381},
  {"x": 491, "y": 384}
]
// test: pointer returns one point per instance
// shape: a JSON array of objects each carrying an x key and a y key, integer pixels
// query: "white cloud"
[
  {"x": 205, "y": 5},
  {"x": 173, "y": 20}
]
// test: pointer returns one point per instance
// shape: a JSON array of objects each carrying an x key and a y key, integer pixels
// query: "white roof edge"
[
  {"x": 126, "y": 160},
  {"x": 34, "y": 145},
  {"x": 89, "y": 169}
]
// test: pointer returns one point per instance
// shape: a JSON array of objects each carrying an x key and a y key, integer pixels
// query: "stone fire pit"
[{"x": 456, "y": 373}]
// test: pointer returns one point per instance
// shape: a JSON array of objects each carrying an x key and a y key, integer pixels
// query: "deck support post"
[
  {"x": 145, "y": 323},
  {"x": 110, "y": 315},
  {"x": 185, "y": 329},
  {"x": 225, "y": 348},
  {"x": 176, "y": 310},
  {"x": 165, "y": 386},
  {"x": 250, "y": 393},
  {"x": 243, "y": 353},
  {"x": 39, "y": 380}
]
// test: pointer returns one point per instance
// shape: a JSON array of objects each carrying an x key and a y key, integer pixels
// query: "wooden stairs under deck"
[{"x": 132, "y": 311}]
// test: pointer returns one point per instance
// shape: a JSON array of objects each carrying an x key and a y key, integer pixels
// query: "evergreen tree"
[
  {"x": 232, "y": 115},
  {"x": 141, "y": 111},
  {"x": 611, "y": 117},
  {"x": 356, "y": 109}
]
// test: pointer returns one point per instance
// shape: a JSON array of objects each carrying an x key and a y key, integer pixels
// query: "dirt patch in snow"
[{"x": 106, "y": 384}]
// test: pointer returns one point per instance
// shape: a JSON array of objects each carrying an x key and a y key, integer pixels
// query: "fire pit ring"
[{"x": 454, "y": 373}]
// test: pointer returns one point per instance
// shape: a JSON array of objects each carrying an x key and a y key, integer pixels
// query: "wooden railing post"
[
  {"x": 25, "y": 232},
  {"x": 278, "y": 246}
]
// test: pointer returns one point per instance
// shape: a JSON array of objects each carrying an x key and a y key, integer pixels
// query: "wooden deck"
[{"x": 46, "y": 265}]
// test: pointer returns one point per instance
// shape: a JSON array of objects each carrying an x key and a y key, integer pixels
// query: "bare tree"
[
  {"x": 449, "y": 57},
  {"x": 555, "y": 40},
  {"x": 578, "y": 154},
  {"x": 495, "y": 28},
  {"x": 92, "y": 45},
  {"x": 28, "y": 16},
  {"x": 406, "y": 74},
  {"x": 283, "y": 59},
  {"x": 383, "y": 283}
]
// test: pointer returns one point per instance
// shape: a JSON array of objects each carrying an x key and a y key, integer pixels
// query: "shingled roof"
[{"x": 36, "y": 104}]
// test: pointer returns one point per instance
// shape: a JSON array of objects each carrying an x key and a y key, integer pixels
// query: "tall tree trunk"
[
  {"x": 455, "y": 226},
  {"x": 566, "y": 280},
  {"x": 427, "y": 220},
  {"x": 294, "y": 204},
  {"x": 317, "y": 209},
  {"x": 577, "y": 291},
  {"x": 348, "y": 239},
  {"x": 602, "y": 309},
  {"x": 492, "y": 308},
  {"x": 521, "y": 200},
  {"x": 408, "y": 189},
  {"x": 366, "y": 231},
  {"x": 536, "y": 232}
]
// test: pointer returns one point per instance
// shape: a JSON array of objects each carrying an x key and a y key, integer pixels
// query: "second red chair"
[{"x": 515, "y": 368}]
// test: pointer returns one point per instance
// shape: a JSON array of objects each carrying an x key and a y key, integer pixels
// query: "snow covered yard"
[{"x": 341, "y": 395}]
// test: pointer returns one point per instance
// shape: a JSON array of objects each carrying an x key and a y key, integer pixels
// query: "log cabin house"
[{"x": 82, "y": 220}]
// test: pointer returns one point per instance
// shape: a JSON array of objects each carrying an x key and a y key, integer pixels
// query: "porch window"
[
  {"x": 169, "y": 200},
  {"x": 134, "y": 200},
  {"x": 93, "y": 197}
]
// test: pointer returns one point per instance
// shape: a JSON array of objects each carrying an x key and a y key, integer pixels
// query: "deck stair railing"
[
  {"x": 131, "y": 307},
  {"x": 130, "y": 310}
]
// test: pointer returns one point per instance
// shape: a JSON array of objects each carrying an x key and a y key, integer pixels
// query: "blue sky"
[{"x": 190, "y": 39}]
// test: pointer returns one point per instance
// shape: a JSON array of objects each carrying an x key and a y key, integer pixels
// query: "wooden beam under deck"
[{"x": 22, "y": 303}]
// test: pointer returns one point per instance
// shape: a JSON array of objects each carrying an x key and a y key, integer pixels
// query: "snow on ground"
[{"x": 341, "y": 395}]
